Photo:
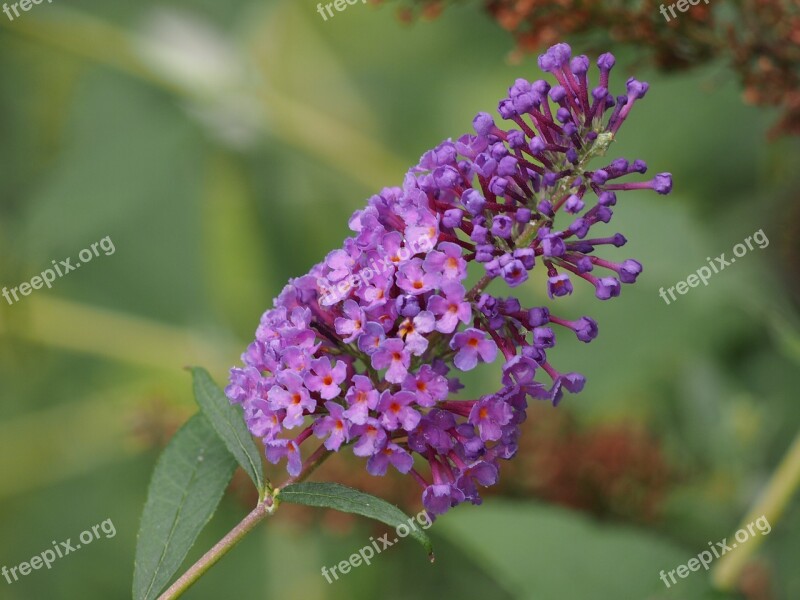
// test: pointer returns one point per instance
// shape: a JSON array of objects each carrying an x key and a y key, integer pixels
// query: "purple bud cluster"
[{"x": 362, "y": 350}]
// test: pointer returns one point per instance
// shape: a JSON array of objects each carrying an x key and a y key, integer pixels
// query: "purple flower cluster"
[{"x": 370, "y": 365}]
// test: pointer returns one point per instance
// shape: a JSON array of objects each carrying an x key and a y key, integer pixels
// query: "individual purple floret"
[{"x": 364, "y": 350}]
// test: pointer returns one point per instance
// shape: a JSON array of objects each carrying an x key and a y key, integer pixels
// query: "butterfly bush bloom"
[{"x": 365, "y": 349}]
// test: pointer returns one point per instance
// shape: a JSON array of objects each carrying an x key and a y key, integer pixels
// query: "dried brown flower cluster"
[
  {"x": 613, "y": 471},
  {"x": 760, "y": 38},
  {"x": 766, "y": 54}
]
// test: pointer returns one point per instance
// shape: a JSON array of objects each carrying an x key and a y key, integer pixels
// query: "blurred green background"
[{"x": 222, "y": 147}]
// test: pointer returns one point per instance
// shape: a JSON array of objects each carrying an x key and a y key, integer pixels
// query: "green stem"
[
  {"x": 234, "y": 536},
  {"x": 528, "y": 234},
  {"x": 598, "y": 148},
  {"x": 771, "y": 505},
  {"x": 220, "y": 549}
]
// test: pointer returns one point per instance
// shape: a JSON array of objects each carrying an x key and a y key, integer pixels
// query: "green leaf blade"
[
  {"x": 349, "y": 500},
  {"x": 229, "y": 424},
  {"x": 525, "y": 545},
  {"x": 187, "y": 485}
]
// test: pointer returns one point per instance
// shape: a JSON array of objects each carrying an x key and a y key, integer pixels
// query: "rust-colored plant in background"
[{"x": 759, "y": 38}]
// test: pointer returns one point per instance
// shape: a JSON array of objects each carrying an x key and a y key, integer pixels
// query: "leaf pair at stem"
[{"x": 190, "y": 478}]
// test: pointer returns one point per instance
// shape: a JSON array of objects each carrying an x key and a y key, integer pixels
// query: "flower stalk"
[
  {"x": 771, "y": 504},
  {"x": 263, "y": 509}
]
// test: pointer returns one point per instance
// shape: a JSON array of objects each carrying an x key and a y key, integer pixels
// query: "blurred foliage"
[{"x": 222, "y": 147}]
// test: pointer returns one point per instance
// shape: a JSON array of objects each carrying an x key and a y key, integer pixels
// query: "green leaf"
[
  {"x": 345, "y": 499},
  {"x": 538, "y": 551},
  {"x": 228, "y": 422},
  {"x": 187, "y": 485}
]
